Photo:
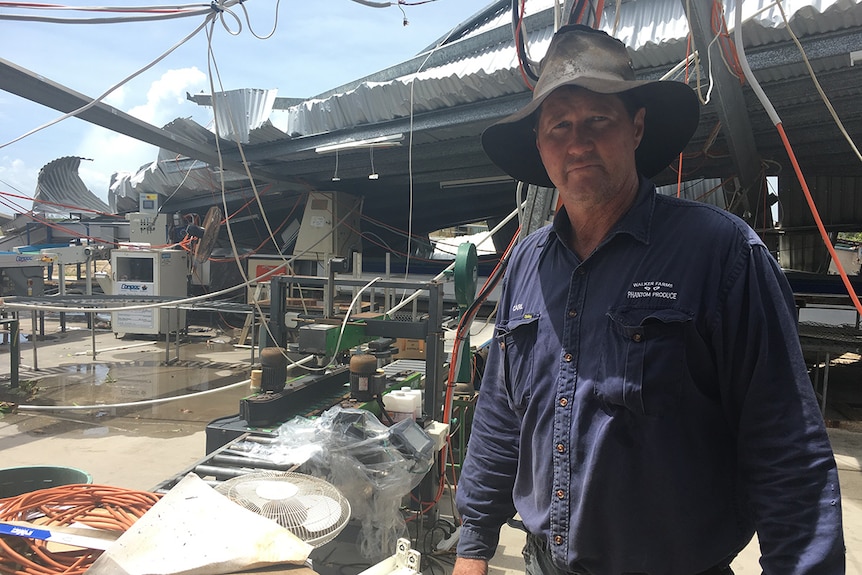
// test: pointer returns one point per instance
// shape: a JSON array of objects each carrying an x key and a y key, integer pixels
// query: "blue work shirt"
[{"x": 646, "y": 409}]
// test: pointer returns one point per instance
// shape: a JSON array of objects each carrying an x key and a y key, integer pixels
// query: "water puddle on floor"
[{"x": 201, "y": 391}]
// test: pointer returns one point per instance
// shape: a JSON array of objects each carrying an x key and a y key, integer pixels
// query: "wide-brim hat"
[{"x": 589, "y": 58}]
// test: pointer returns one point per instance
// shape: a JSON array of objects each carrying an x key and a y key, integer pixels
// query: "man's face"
[{"x": 587, "y": 142}]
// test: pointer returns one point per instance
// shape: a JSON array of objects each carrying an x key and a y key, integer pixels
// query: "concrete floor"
[{"x": 142, "y": 447}]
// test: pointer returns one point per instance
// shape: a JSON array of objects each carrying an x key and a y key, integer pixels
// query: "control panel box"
[{"x": 148, "y": 228}]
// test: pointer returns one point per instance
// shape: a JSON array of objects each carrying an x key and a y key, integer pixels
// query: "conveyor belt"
[
  {"x": 830, "y": 338},
  {"x": 235, "y": 456},
  {"x": 231, "y": 460}
]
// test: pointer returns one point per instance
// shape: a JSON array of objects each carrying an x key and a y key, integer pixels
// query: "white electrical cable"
[
  {"x": 746, "y": 69},
  {"x": 344, "y": 324},
  {"x": 95, "y": 101},
  {"x": 817, "y": 85},
  {"x": 451, "y": 266},
  {"x": 145, "y": 402},
  {"x": 410, "y": 150},
  {"x": 142, "y": 403},
  {"x": 113, "y": 20},
  {"x": 375, "y": 4},
  {"x": 59, "y": 7}
]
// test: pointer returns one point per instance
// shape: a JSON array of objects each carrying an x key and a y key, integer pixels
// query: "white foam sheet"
[{"x": 194, "y": 530}]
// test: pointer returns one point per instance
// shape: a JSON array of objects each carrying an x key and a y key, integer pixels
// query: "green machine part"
[{"x": 466, "y": 277}]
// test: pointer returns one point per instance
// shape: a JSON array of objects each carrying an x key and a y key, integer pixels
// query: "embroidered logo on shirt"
[
  {"x": 651, "y": 289},
  {"x": 518, "y": 307}
]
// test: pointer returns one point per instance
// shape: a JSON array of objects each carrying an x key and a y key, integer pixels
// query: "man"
[{"x": 645, "y": 406}]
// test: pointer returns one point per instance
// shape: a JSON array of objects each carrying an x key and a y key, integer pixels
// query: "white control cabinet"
[{"x": 141, "y": 272}]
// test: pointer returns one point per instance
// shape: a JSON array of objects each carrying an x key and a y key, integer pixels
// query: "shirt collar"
[{"x": 636, "y": 222}]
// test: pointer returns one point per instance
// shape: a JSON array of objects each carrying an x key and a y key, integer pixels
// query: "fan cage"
[{"x": 311, "y": 508}]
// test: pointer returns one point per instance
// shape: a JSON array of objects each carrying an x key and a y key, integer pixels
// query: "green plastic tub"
[{"x": 17, "y": 480}]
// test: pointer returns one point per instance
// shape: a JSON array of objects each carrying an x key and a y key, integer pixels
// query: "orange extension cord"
[{"x": 100, "y": 506}]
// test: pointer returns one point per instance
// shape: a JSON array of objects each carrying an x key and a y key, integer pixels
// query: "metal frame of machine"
[{"x": 430, "y": 330}]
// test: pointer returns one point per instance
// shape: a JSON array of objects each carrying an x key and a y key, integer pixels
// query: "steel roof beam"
[
  {"x": 731, "y": 108},
  {"x": 26, "y": 84}
]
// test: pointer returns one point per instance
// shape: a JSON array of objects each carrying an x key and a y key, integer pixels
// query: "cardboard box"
[{"x": 410, "y": 348}]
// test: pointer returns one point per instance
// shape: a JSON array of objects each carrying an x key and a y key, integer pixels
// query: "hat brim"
[{"x": 672, "y": 115}]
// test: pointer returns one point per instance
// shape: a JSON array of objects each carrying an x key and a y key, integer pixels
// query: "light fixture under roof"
[
  {"x": 373, "y": 175},
  {"x": 475, "y": 182},
  {"x": 335, "y": 177},
  {"x": 379, "y": 142}
]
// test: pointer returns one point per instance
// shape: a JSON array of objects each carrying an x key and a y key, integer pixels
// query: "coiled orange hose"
[{"x": 100, "y": 506}]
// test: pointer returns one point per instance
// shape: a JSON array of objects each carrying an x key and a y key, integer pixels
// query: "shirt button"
[
  {"x": 581, "y": 271},
  {"x": 561, "y": 448},
  {"x": 572, "y": 313},
  {"x": 561, "y": 494},
  {"x": 558, "y": 539},
  {"x": 567, "y": 358},
  {"x": 564, "y": 402},
  {"x": 637, "y": 338}
]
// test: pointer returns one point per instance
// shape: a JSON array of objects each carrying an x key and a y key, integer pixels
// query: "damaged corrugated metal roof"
[
  {"x": 60, "y": 190},
  {"x": 655, "y": 32},
  {"x": 441, "y": 100}
]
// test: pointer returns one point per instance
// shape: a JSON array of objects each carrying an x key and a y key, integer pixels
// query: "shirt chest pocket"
[
  {"x": 517, "y": 341},
  {"x": 642, "y": 362}
]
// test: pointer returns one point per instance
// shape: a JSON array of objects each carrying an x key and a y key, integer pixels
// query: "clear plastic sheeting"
[{"x": 373, "y": 465}]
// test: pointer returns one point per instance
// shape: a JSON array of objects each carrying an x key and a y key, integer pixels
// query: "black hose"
[{"x": 520, "y": 44}]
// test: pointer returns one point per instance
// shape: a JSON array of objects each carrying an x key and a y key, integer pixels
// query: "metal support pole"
[
  {"x": 357, "y": 273},
  {"x": 434, "y": 377},
  {"x": 825, "y": 385},
  {"x": 33, "y": 340},
  {"x": 61, "y": 276},
  {"x": 89, "y": 277},
  {"x": 729, "y": 102},
  {"x": 329, "y": 292},
  {"x": 14, "y": 349},
  {"x": 387, "y": 292},
  {"x": 92, "y": 317},
  {"x": 177, "y": 339},
  {"x": 253, "y": 329},
  {"x": 167, "y": 336}
]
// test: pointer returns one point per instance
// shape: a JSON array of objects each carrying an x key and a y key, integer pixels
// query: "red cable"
[
  {"x": 811, "y": 205},
  {"x": 600, "y": 7}
]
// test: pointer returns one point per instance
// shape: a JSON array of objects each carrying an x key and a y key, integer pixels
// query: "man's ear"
[{"x": 639, "y": 122}]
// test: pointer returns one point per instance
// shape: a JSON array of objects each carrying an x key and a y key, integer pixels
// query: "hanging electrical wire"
[
  {"x": 526, "y": 66},
  {"x": 209, "y": 17},
  {"x": 147, "y": 17},
  {"x": 776, "y": 120},
  {"x": 817, "y": 85}
]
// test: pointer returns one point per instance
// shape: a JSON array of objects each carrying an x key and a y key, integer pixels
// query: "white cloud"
[
  {"x": 112, "y": 152},
  {"x": 116, "y": 98},
  {"x": 168, "y": 94},
  {"x": 16, "y": 177}
]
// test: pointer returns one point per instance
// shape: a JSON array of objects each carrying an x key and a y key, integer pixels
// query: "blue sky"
[{"x": 317, "y": 45}]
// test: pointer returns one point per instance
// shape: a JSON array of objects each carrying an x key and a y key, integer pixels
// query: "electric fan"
[
  {"x": 311, "y": 508},
  {"x": 207, "y": 234}
]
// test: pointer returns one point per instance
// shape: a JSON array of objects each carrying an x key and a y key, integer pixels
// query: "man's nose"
[{"x": 579, "y": 140}]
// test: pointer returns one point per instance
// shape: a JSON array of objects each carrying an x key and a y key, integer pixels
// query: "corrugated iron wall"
[
  {"x": 838, "y": 200},
  {"x": 839, "y": 203}
]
